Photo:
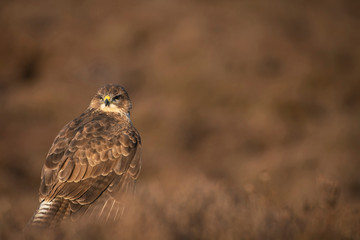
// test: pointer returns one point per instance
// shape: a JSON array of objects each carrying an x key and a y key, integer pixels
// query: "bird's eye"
[
  {"x": 117, "y": 97},
  {"x": 100, "y": 97}
]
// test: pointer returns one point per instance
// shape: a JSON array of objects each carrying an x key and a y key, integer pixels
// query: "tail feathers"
[
  {"x": 107, "y": 209},
  {"x": 50, "y": 213},
  {"x": 108, "y": 206}
]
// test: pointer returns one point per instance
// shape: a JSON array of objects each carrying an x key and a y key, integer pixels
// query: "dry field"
[{"x": 249, "y": 112}]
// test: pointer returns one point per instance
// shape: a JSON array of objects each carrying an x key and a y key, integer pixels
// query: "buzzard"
[{"x": 92, "y": 164}]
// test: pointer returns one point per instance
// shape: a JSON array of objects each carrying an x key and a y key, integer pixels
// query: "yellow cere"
[{"x": 107, "y": 97}]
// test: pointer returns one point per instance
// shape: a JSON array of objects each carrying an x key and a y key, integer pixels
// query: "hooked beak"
[{"x": 107, "y": 101}]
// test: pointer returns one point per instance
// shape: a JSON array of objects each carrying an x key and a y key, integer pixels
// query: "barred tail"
[{"x": 50, "y": 213}]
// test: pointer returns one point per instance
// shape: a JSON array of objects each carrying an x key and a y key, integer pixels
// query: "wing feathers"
[
  {"x": 75, "y": 173},
  {"x": 135, "y": 165},
  {"x": 91, "y": 155},
  {"x": 66, "y": 170},
  {"x": 53, "y": 160},
  {"x": 125, "y": 150},
  {"x": 102, "y": 182},
  {"x": 88, "y": 171}
]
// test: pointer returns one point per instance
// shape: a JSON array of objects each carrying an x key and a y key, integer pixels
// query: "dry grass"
[{"x": 249, "y": 112}]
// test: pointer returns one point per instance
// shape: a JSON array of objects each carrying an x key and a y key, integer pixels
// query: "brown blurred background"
[{"x": 249, "y": 112}]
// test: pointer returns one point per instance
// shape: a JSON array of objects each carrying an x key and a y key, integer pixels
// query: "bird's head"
[{"x": 111, "y": 98}]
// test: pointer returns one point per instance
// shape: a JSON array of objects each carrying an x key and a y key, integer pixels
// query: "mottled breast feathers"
[{"x": 88, "y": 155}]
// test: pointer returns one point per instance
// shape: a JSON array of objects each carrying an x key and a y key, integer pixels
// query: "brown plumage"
[{"x": 92, "y": 164}]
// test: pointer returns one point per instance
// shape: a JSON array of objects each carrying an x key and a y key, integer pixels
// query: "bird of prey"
[{"x": 92, "y": 164}]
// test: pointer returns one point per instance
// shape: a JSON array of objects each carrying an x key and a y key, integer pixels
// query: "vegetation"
[{"x": 249, "y": 112}]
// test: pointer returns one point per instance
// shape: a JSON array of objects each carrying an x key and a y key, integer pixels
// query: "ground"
[{"x": 249, "y": 112}]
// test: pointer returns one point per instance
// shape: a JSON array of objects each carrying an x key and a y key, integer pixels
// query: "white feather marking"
[
  {"x": 93, "y": 210},
  {"x": 115, "y": 109},
  {"x": 112, "y": 206},
  {"x": 102, "y": 210},
  {"x": 117, "y": 210}
]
